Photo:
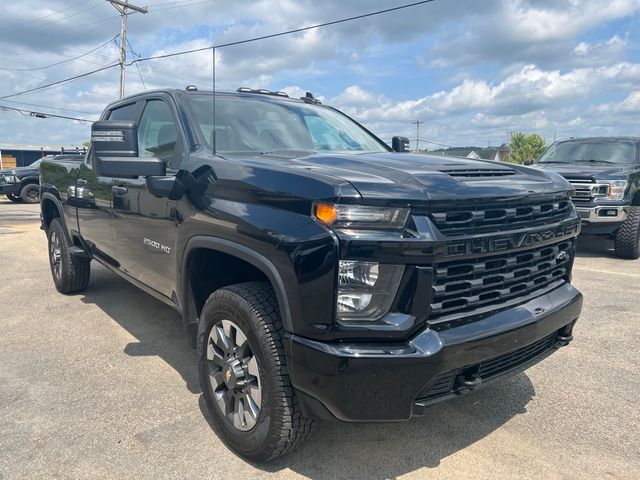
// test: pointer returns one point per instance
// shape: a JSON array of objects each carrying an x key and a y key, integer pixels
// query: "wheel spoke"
[
  {"x": 214, "y": 355},
  {"x": 217, "y": 378},
  {"x": 225, "y": 400},
  {"x": 252, "y": 367},
  {"x": 252, "y": 407},
  {"x": 229, "y": 332},
  {"x": 221, "y": 339}
]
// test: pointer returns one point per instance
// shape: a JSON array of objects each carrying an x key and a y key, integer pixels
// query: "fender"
[
  {"x": 56, "y": 201},
  {"x": 244, "y": 253},
  {"x": 26, "y": 180}
]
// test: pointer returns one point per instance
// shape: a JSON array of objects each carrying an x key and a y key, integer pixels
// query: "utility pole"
[
  {"x": 417, "y": 123},
  {"x": 124, "y": 8}
]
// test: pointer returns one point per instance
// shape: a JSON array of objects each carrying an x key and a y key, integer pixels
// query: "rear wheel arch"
[{"x": 235, "y": 264}]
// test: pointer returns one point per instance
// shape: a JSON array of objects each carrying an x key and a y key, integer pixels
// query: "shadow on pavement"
[
  {"x": 335, "y": 450},
  {"x": 157, "y": 326},
  {"x": 591, "y": 247}
]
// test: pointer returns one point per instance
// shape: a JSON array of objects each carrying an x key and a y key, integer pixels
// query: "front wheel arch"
[{"x": 262, "y": 269}]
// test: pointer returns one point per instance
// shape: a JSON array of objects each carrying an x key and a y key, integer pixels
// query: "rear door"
[{"x": 145, "y": 225}]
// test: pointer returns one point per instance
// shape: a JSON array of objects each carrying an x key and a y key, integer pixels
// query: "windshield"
[
  {"x": 615, "y": 152},
  {"x": 263, "y": 126},
  {"x": 36, "y": 163}
]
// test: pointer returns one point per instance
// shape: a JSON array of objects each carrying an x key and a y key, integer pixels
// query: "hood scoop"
[{"x": 470, "y": 173}]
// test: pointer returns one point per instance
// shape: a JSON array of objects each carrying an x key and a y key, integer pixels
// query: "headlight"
[
  {"x": 616, "y": 189},
  {"x": 358, "y": 216},
  {"x": 10, "y": 179},
  {"x": 366, "y": 289}
]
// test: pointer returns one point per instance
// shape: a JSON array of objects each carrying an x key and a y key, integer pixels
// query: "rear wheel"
[
  {"x": 30, "y": 193},
  {"x": 70, "y": 274},
  {"x": 244, "y": 376},
  {"x": 627, "y": 241},
  {"x": 14, "y": 198}
]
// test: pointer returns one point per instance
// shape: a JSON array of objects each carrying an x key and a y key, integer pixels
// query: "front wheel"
[
  {"x": 30, "y": 193},
  {"x": 14, "y": 198},
  {"x": 627, "y": 241},
  {"x": 244, "y": 376}
]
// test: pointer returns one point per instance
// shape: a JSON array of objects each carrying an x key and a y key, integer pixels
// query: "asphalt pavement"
[{"x": 104, "y": 385}]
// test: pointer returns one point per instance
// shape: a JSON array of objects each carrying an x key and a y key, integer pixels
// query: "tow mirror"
[
  {"x": 115, "y": 151},
  {"x": 400, "y": 144}
]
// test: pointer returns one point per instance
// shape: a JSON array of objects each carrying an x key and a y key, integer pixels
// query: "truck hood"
[
  {"x": 19, "y": 171},
  {"x": 417, "y": 177},
  {"x": 589, "y": 172}
]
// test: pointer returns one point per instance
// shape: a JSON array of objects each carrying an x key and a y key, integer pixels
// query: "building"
[
  {"x": 497, "y": 154},
  {"x": 13, "y": 155}
]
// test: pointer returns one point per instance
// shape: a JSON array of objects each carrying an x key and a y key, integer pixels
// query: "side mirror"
[
  {"x": 400, "y": 144},
  {"x": 528, "y": 162},
  {"x": 115, "y": 151}
]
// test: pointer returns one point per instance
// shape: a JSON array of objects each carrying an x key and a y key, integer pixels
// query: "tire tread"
[{"x": 627, "y": 241}]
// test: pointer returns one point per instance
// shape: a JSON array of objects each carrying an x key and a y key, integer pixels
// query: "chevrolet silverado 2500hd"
[{"x": 319, "y": 273}]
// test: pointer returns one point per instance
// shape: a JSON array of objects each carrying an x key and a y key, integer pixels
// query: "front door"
[{"x": 145, "y": 225}]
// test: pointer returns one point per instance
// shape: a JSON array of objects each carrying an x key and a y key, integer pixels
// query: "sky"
[{"x": 471, "y": 70}]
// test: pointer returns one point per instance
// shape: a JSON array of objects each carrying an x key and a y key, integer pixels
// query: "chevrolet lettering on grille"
[{"x": 508, "y": 242}]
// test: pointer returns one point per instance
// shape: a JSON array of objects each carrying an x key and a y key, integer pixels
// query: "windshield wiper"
[{"x": 594, "y": 161}]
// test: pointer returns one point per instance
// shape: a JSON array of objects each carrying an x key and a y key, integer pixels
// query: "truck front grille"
[
  {"x": 586, "y": 191},
  {"x": 499, "y": 217},
  {"x": 491, "y": 282}
]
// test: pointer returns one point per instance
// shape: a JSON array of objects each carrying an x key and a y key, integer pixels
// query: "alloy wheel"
[
  {"x": 55, "y": 254},
  {"x": 233, "y": 375}
]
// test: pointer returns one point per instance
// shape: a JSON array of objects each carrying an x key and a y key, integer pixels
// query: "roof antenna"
[{"x": 213, "y": 84}]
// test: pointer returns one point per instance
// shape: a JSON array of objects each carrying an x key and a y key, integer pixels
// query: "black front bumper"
[
  {"x": 9, "y": 188},
  {"x": 387, "y": 382}
]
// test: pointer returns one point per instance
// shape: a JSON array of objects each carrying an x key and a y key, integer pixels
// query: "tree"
[
  {"x": 525, "y": 147},
  {"x": 86, "y": 143}
]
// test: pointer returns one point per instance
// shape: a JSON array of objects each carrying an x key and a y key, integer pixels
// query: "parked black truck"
[
  {"x": 319, "y": 274},
  {"x": 21, "y": 184},
  {"x": 605, "y": 172}
]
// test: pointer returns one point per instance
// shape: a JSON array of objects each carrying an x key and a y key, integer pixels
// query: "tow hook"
[
  {"x": 467, "y": 383},
  {"x": 562, "y": 340}
]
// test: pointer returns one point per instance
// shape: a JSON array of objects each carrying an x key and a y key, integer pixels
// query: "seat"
[{"x": 271, "y": 138}]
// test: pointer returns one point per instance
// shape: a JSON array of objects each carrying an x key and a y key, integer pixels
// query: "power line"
[
  {"x": 137, "y": 66},
  {"x": 59, "y": 82},
  {"x": 27, "y": 113},
  {"x": 287, "y": 32},
  {"x": 229, "y": 44},
  {"x": 61, "y": 62},
  {"x": 50, "y": 107},
  {"x": 37, "y": 20}
]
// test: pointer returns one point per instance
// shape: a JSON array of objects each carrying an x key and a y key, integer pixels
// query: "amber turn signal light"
[{"x": 326, "y": 213}]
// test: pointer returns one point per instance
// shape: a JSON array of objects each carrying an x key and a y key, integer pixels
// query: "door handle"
[{"x": 119, "y": 190}]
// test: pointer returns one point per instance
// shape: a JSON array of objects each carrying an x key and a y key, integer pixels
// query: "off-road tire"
[
  {"x": 71, "y": 274},
  {"x": 280, "y": 426},
  {"x": 14, "y": 198},
  {"x": 30, "y": 193},
  {"x": 627, "y": 241}
]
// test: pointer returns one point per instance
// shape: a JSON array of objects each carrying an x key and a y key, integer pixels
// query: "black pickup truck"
[
  {"x": 605, "y": 173},
  {"x": 319, "y": 273},
  {"x": 21, "y": 184}
]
